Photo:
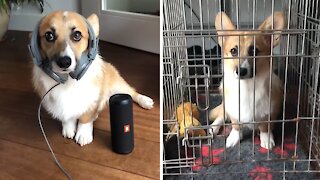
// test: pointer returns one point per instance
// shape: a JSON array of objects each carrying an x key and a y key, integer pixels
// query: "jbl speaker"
[{"x": 121, "y": 120}]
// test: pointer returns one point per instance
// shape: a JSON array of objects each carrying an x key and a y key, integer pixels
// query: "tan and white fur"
[
  {"x": 254, "y": 98},
  {"x": 77, "y": 103}
]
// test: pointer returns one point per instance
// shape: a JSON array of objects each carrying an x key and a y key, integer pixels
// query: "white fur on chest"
[
  {"x": 254, "y": 102},
  {"x": 72, "y": 99}
]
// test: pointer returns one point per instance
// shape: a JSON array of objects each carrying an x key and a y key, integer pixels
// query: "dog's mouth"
[
  {"x": 65, "y": 71},
  {"x": 61, "y": 70}
]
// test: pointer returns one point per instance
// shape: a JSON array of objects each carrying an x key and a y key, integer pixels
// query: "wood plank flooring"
[{"x": 23, "y": 152}]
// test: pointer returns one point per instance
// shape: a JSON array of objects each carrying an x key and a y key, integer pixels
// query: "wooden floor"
[{"x": 23, "y": 151}]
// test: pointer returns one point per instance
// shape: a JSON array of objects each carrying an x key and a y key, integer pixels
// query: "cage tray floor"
[{"x": 248, "y": 160}]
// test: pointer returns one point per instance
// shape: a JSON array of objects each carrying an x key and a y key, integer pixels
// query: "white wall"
[
  {"x": 144, "y": 6},
  {"x": 139, "y": 31},
  {"x": 119, "y": 5},
  {"x": 25, "y": 18}
]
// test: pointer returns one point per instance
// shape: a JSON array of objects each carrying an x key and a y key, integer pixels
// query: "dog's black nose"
[
  {"x": 244, "y": 72},
  {"x": 64, "y": 62}
]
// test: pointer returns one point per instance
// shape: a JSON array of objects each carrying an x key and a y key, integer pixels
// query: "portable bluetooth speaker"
[{"x": 121, "y": 120}]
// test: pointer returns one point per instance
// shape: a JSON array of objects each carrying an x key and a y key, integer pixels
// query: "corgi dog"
[
  {"x": 246, "y": 81},
  {"x": 63, "y": 37}
]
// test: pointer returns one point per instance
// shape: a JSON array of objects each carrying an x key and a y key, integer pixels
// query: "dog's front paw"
[
  {"x": 69, "y": 129},
  {"x": 266, "y": 142},
  {"x": 84, "y": 133},
  {"x": 233, "y": 138},
  {"x": 214, "y": 130},
  {"x": 145, "y": 101},
  {"x": 215, "y": 126}
]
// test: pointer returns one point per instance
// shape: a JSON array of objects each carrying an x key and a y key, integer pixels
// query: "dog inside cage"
[{"x": 241, "y": 97}]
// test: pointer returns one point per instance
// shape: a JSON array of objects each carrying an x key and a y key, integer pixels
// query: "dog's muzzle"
[{"x": 245, "y": 71}]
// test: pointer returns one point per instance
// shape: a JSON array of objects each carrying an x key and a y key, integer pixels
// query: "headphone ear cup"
[
  {"x": 81, "y": 67},
  {"x": 53, "y": 75},
  {"x": 34, "y": 48},
  {"x": 93, "y": 51},
  {"x": 84, "y": 70}
]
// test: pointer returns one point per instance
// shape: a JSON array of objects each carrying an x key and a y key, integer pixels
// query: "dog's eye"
[
  {"x": 77, "y": 36},
  {"x": 50, "y": 37},
  {"x": 234, "y": 51},
  {"x": 253, "y": 51}
]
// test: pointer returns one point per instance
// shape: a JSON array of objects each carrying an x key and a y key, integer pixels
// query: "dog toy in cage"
[{"x": 187, "y": 116}]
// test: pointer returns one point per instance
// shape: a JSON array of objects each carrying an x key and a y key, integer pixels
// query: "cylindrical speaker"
[{"x": 121, "y": 120}]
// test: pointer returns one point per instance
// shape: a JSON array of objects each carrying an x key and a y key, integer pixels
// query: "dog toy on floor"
[{"x": 187, "y": 116}]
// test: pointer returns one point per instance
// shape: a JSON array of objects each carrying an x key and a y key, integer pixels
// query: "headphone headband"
[{"x": 84, "y": 61}]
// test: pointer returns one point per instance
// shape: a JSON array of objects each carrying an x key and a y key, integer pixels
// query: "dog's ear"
[
  {"x": 94, "y": 21},
  {"x": 223, "y": 24},
  {"x": 278, "y": 25}
]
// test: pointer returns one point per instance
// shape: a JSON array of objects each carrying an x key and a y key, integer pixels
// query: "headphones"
[{"x": 83, "y": 64}]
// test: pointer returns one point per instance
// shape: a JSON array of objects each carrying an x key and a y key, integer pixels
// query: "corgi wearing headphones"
[{"x": 64, "y": 48}]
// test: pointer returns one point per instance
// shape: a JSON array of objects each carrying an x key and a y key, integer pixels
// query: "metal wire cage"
[{"x": 193, "y": 70}]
